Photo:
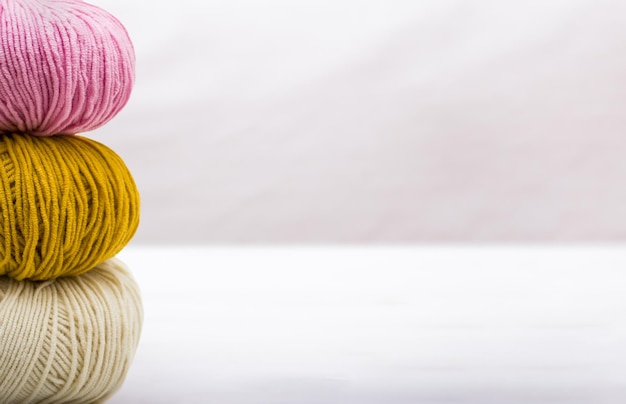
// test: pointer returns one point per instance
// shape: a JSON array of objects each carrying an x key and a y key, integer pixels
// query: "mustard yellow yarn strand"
[{"x": 67, "y": 203}]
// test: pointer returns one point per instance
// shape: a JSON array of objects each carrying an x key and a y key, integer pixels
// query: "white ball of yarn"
[{"x": 69, "y": 340}]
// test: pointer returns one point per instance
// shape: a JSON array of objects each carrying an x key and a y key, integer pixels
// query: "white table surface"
[{"x": 383, "y": 325}]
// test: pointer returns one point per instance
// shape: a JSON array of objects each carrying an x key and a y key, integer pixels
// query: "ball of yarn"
[
  {"x": 69, "y": 340},
  {"x": 67, "y": 203},
  {"x": 66, "y": 66}
]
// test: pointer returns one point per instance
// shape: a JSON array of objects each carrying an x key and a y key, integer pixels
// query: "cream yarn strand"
[{"x": 69, "y": 340}]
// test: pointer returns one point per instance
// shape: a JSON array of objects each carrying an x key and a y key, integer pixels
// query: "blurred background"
[
  {"x": 376, "y": 121},
  {"x": 450, "y": 127}
]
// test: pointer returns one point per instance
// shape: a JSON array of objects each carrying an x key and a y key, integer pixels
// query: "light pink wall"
[{"x": 376, "y": 121}]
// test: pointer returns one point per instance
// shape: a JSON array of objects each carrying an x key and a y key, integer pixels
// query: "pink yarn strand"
[{"x": 66, "y": 66}]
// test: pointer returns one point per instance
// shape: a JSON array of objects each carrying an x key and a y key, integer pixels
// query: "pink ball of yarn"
[{"x": 66, "y": 66}]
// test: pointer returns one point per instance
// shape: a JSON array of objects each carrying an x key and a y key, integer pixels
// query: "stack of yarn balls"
[{"x": 70, "y": 312}]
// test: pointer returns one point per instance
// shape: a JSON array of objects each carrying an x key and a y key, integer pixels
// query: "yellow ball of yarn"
[
  {"x": 67, "y": 203},
  {"x": 68, "y": 340}
]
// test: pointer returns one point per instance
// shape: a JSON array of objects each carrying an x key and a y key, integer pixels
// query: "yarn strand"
[
  {"x": 70, "y": 340},
  {"x": 66, "y": 66},
  {"x": 67, "y": 203}
]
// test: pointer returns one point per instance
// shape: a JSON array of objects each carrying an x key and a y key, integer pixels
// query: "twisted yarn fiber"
[
  {"x": 66, "y": 66},
  {"x": 67, "y": 203},
  {"x": 70, "y": 340}
]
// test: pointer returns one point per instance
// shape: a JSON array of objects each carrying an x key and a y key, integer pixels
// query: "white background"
[
  {"x": 377, "y": 122},
  {"x": 342, "y": 121}
]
